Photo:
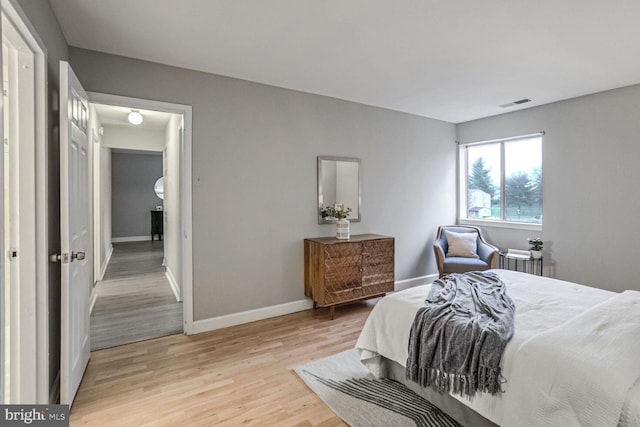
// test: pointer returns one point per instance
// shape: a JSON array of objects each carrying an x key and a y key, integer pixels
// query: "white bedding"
[{"x": 542, "y": 304}]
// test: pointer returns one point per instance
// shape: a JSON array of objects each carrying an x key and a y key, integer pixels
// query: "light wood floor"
[
  {"x": 134, "y": 301},
  {"x": 235, "y": 376}
]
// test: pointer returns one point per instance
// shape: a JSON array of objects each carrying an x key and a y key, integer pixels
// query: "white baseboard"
[
  {"x": 401, "y": 285},
  {"x": 106, "y": 262},
  {"x": 130, "y": 239},
  {"x": 173, "y": 283},
  {"x": 242, "y": 317},
  {"x": 54, "y": 393},
  {"x": 234, "y": 319}
]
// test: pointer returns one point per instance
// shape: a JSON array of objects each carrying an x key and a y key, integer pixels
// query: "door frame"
[
  {"x": 33, "y": 297},
  {"x": 186, "y": 247}
]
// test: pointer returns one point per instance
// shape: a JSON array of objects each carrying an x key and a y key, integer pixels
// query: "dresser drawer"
[
  {"x": 341, "y": 256},
  {"x": 378, "y": 266},
  {"x": 384, "y": 280},
  {"x": 341, "y": 280},
  {"x": 377, "y": 252},
  {"x": 339, "y": 296}
]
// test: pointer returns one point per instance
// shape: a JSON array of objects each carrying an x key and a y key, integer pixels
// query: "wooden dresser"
[{"x": 343, "y": 271}]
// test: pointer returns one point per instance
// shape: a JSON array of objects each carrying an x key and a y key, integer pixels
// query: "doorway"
[{"x": 138, "y": 171}]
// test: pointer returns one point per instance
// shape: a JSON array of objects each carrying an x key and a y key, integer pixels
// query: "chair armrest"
[
  {"x": 488, "y": 253},
  {"x": 439, "y": 251}
]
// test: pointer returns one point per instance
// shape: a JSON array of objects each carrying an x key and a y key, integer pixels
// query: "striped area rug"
[{"x": 361, "y": 400}]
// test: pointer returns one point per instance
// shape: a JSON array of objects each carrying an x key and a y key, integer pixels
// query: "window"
[{"x": 501, "y": 180}]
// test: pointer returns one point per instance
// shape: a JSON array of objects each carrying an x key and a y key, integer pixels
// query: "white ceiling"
[
  {"x": 452, "y": 60},
  {"x": 114, "y": 115}
]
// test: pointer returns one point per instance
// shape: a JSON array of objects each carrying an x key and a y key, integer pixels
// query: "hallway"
[{"x": 134, "y": 300}]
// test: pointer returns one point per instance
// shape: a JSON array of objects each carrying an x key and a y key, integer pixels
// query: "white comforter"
[{"x": 565, "y": 365}]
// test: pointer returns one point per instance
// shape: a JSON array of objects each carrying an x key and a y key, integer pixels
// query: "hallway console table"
[{"x": 157, "y": 224}]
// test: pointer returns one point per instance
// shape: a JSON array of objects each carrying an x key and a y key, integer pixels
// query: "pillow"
[{"x": 462, "y": 244}]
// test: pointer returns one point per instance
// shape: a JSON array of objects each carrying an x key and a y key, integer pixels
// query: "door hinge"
[{"x": 12, "y": 253}]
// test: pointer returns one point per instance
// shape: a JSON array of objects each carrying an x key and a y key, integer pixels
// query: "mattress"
[{"x": 543, "y": 305}]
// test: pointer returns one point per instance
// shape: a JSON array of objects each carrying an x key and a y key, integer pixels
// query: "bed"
[{"x": 574, "y": 358}]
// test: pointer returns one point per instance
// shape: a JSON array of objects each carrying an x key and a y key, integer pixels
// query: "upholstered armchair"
[{"x": 481, "y": 257}]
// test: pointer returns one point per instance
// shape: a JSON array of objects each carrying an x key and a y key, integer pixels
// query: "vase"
[
  {"x": 342, "y": 229},
  {"x": 536, "y": 254}
]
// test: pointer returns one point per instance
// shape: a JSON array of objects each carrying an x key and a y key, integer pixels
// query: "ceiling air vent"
[{"x": 514, "y": 103}]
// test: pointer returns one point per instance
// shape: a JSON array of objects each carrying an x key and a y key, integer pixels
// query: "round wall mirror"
[{"x": 158, "y": 187}]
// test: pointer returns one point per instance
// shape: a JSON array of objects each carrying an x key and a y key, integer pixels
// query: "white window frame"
[{"x": 463, "y": 182}]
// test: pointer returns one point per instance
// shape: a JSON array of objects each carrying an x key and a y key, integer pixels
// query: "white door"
[
  {"x": 74, "y": 229},
  {"x": 24, "y": 244}
]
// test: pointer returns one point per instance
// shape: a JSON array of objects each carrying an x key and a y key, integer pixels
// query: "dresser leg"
[
  {"x": 332, "y": 310},
  {"x": 315, "y": 305}
]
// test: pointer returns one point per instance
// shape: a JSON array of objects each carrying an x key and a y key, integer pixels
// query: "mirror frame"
[{"x": 322, "y": 220}]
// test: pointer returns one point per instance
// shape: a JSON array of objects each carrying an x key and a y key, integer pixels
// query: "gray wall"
[
  {"x": 42, "y": 18},
  {"x": 104, "y": 208},
  {"x": 590, "y": 179},
  {"x": 254, "y": 176},
  {"x": 132, "y": 197}
]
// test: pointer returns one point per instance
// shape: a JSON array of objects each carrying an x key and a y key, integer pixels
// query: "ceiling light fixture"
[{"x": 134, "y": 117}]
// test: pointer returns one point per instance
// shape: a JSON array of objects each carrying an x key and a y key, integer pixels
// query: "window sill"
[{"x": 501, "y": 224}]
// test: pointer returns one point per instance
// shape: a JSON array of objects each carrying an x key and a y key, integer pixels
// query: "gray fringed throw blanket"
[{"x": 458, "y": 337}]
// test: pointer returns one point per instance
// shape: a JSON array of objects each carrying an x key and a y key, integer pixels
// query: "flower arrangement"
[
  {"x": 535, "y": 244},
  {"x": 337, "y": 211}
]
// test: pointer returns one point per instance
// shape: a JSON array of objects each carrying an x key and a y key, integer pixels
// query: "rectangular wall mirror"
[{"x": 339, "y": 183}]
